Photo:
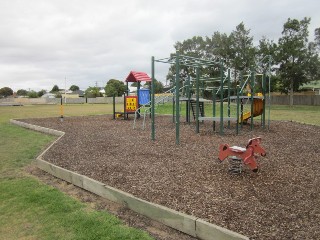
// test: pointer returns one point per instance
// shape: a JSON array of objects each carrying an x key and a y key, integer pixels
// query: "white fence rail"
[{"x": 311, "y": 100}]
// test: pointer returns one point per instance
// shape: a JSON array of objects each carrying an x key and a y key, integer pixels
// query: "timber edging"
[{"x": 188, "y": 224}]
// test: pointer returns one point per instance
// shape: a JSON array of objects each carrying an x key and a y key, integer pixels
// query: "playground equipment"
[
  {"x": 146, "y": 107},
  {"x": 249, "y": 154},
  {"x": 219, "y": 86},
  {"x": 257, "y": 110},
  {"x": 61, "y": 110},
  {"x": 258, "y": 107},
  {"x": 132, "y": 103}
]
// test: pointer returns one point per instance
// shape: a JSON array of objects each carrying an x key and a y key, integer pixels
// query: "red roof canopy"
[{"x": 138, "y": 77}]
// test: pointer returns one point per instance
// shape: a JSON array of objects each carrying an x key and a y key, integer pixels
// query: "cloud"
[{"x": 44, "y": 42}]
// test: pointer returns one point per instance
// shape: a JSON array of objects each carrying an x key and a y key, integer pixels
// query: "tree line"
[
  {"x": 113, "y": 87},
  {"x": 294, "y": 59}
]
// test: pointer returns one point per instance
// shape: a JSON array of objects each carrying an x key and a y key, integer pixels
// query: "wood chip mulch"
[{"x": 281, "y": 201}]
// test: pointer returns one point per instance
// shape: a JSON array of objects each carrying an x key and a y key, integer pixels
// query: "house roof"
[
  {"x": 80, "y": 92},
  {"x": 138, "y": 77}
]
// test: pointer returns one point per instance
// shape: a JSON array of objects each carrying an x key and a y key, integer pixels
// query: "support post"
[
  {"x": 252, "y": 95},
  {"x": 221, "y": 99},
  {"x": 126, "y": 116},
  {"x": 214, "y": 108},
  {"x": 177, "y": 100},
  {"x": 238, "y": 115},
  {"x": 152, "y": 100},
  {"x": 229, "y": 86},
  {"x": 138, "y": 100},
  {"x": 125, "y": 105},
  {"x": 197, "y": 100},
  {"x": 114, "y": 106},
  {"x": 188, "y": 100},
  {"x": 241, "y": 101},
  {"x": 61, "y": 110},
  {"x": 269, "y": 88},
  {"x": 173, "y": 108},
  {"x": 264, "y": 101}
]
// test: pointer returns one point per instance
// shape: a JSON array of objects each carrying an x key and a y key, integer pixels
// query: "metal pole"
[
  {"x": 65, "y": 90},
  {"x": 221, "y": 99},
  {"x": 61, "y": 110},
  {"x": 138, "y": 92},
  {"x": 173, "y": 108},
  {"x": 214, "y": 108},
  {"x": 269, "y": 94},
  {"x": 252, "y": 95},
  {"x": 114, "y": 106},
  {"x": 229, "y": 86},
  {"x": 197, "y": 100},
  {"x": 238, "y": 115},
  {"x": 264, "y": 100},
  {"x": 177, "y": 100},
  {"x": 152, "y": 100},
  {"x": 241, "y": 101},
  {"x": 188, "y": 100},
  {"x": 125, "y": 105}
]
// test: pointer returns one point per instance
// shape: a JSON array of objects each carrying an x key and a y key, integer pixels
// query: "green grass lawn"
[
  {"x": 303, "y": 114},
  {"x": 30, "y": 209}
]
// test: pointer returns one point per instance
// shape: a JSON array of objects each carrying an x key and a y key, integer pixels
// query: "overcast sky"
[{"x": 44, "y": 42}]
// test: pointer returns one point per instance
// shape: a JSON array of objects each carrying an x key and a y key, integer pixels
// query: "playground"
[
  {"x": 172, "y": 160},
  {"x": 281, "y": 201}
]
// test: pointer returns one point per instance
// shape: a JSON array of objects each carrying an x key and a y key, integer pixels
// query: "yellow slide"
[{"x": 257, "y": 110}]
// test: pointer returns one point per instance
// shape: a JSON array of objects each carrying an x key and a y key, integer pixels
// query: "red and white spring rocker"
[{"x": 248, "y": 154}]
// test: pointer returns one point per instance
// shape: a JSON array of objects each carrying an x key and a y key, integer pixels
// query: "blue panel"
[{"x": 144, "y": 96}]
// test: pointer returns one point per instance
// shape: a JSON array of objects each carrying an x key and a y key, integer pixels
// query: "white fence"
[{"x": 313, "y": 100}]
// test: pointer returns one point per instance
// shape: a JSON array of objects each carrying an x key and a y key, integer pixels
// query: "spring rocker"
[{"x": 248, "y": 155}]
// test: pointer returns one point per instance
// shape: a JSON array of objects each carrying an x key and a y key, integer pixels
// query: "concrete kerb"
[
  {"x": 37, "y": 128},
  {"x": 205, "y": 230},
  {"x": 191, "y": 225}
]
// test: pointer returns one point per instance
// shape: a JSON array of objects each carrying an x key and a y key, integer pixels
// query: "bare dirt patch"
[{"x": 279, "y": 202}]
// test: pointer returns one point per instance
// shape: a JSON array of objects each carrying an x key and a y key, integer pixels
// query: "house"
[
  {"x": 311, "y": 88},
  {"x": 132, "y": 90},
  {"x": 78, "y": 93},
  {"x": 48, "y": 95}
]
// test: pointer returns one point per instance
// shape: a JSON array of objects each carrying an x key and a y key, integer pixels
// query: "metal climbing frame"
[
  {"x": 179, "y": 60},
  {"x": 182, "y": 60}
]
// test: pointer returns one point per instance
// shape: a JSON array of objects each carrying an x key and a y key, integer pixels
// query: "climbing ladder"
[{"x": 193, "y": 105}]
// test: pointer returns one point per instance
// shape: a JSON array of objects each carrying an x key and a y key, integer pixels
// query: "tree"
[
  {"x": 265, "y": 59},
  {"x": 242, "y": 53},
  {"x": 219, "y": 47},
  {"x": 6, "y": 92},
  {"x": 266, "y": 54},
  {"x": 58, "y": 95},
  {"x": 55, "y": 89},
  {"x": 295, "y": 56},
  {"x": 317, "y": 37},
  {"x": 313, "y": 62},
  {"x": 158, "y": 86},
  {"x": 41, "y": 93},
  {"x": 32, "y": 94},
  {"x": 74, "y": 88},
  {"x": 93, "y": 92},
  {"x": 22, "y": 92},
  {"x": 194, "y": 47},
  {"x": 115, "y": 87},
  {"x": 236, "y": 51}
]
